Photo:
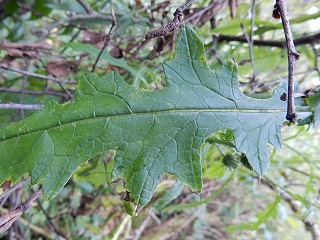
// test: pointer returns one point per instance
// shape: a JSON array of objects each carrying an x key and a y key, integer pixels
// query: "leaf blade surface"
[{"x": 154, "y": 132}]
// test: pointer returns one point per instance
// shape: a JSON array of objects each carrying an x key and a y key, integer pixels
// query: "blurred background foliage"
[{"x": 235, "y": 203}]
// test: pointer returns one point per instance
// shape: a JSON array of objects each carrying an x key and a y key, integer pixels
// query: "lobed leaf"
[{"x": 154, "y": 132}]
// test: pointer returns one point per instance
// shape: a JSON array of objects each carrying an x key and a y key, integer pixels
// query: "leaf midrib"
[{"x": 178, "y": 111}]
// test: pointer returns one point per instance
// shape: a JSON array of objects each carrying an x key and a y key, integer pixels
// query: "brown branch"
[
  {"x": 18, "y": 106},
  {"x": 59, "y": 94},
  {"x": 281, "y": 44},
  {"x": 187, "y": 4},
  {"x": 12, "y": 69},
  {"x": 292, "y": 57},
  {"x": 6, "y": 193},
  {"x": 171, "y": 26},
  {"x": 106, "y": 41},
  {"x": 8, "y": 218},
  {"x": 86, "y": 7}
]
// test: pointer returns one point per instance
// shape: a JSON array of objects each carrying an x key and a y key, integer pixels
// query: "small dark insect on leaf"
[{"x": 276, "y": 13}]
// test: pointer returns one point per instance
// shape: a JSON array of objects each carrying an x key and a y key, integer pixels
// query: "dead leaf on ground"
[
  {"x": 116, "y": 52},
  {"x": 91, "y": 37},
  {"x": 26, "y": 46},
  {"x": 23, "y": 50},
  {"x": 61, "y": 68},
  {"x": 16, "y": 53}
]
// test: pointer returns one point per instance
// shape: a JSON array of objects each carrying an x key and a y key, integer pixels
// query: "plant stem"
[
  {"x": 292, "y": 57},
  {"x": 18, "y": 106}
]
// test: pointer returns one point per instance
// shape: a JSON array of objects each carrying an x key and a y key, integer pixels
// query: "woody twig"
[
  {"x": 171, "y": 26},
  {"x": 280, "y": 8}
]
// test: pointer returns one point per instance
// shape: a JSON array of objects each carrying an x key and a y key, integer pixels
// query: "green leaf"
[
  {"x": 181, "y": 207},
  {"x": 262, "y": 217},
  {"x": 95, "y": 172},
  {"x": 170, "y": 195},
  {"x": 73, "y": 6},
  {"x": 130, "y": 208},
  {"x": 314, "y": 101},
  {"x": 154, "y": 132}
]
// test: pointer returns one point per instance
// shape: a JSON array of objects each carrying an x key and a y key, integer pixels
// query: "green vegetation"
[{"x": 137, "y": 151}]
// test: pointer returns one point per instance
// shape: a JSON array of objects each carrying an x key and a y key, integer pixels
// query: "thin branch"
[
  {"x": 106, "y": 41},
  {"x": 13, "y": 188},
  {"x": 8, "y": 218},
  {"x": 59, "y": 94},
  {"x": 18, "y": 106},
  {"x": 12, "y": 69},
  {"x": 23, "y": 86},
  {"x": 24, "y": 206},
  {"x": 187, "y": 4},
  {"x": 253, "y": 6},
  {"x": 310, "y": 226},
  {"x": 202, "y": 11},
  {"x": 171, "y": 26},
  {"x": 86, "y": 7},
  {"x": 72, "y": 18},
  {"x": 250, "y": 41},
  {"x": 292, "y": 57},
  {"x": 51, "y": 222},
  {"x": 281, "y": 44},
  {"x": 185, "y": 224},
  {"x": 143, "y": 226},
  {"x": 70, "y": 95}
]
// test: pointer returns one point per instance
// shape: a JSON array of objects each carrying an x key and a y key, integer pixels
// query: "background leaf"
[{"x": 262, "y": 217}]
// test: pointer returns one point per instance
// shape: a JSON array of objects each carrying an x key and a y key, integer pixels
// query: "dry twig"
[
  {"x": 31, "y": 92},
  {"x": 8, "y": 218},
  {"x": 292, "y": 57},
  {"x": 280, "y": 44},
  {"x": 18, "y": 106},
  {"x": 12, "y": 69},
  {"x": 86, "y": 7},
  {"x": 106, "y": 41},
  {"x": 173, "y": 25}
]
